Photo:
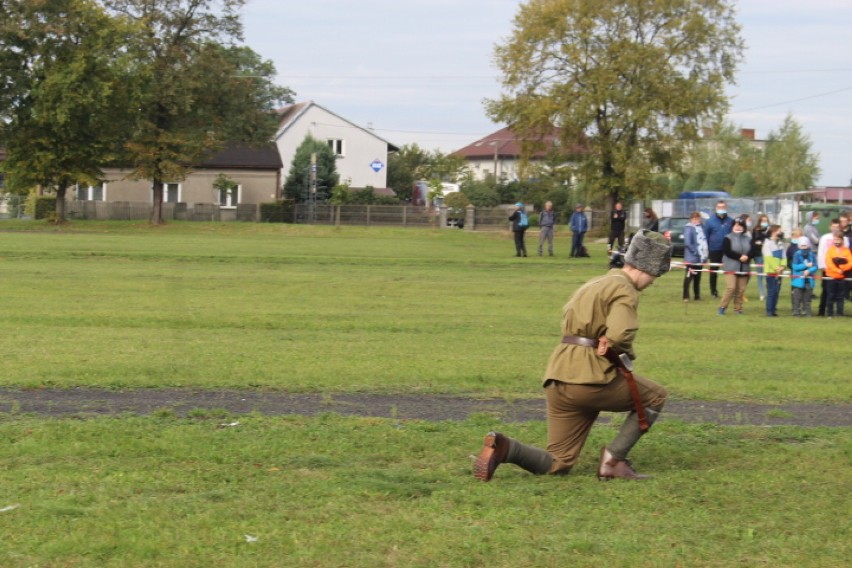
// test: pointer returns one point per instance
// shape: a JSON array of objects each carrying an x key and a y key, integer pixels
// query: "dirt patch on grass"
[{"x": 82, "y": 401}]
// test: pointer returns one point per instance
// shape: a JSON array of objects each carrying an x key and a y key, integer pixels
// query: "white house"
[{"x": 362, "y": 156}]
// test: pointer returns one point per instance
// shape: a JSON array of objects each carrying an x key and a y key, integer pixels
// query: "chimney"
[{"x": 747, "y": 133}]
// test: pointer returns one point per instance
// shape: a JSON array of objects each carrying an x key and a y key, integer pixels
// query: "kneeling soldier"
[{"x": 590, "y": 371}]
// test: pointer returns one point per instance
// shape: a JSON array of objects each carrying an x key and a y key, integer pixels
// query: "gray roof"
[{"x": 245, "y": 156}]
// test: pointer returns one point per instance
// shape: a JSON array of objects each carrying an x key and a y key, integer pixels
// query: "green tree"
[
  {"x": 443, "y": 167},
  {"x": 788, "y": 163},
  {"x": 723, "y": 153},
  {"x": 195, "y": 87},
  {"x": 456, "y": 200},
  {"x": 480, "y": 192},
  {"x": 746, "y": 185},
  {"x": 718, "y": 181},
  {"x": 405, "y": 167},
  {"x": 64, "y": 94},
  {"x": 695, "y": 181},
  {"x": 340, "y": 195},
  {"x": 633, "y": 79},
  {"x": 298, "y": 184}
]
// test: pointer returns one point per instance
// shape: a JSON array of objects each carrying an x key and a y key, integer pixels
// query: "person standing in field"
[
  {"x": 825, "y": 243},
  {"x": 736, "y": 263},
  {"x": 579, "y": 226},
  {"x": 520, "y": 224},
  {"x": 717, "y": 228},
  {"x": 845, "y": 219},
  {"x": 586, "y": 375},
  {"x": 652, "y": 222},
  {"x": 617, "y": 223},
  {"x": 838, "y": 267},
  {"x": 695, "y": 254},
  {"x": 811, "y": 231},
  {"x": 774, "y": 264},
  {"x": 546, "y": 221},
  {"x": 804, "y": 268},
  {"x": 758, "y": 237}
]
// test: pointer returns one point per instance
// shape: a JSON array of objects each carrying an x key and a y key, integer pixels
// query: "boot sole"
[{"x": 486, "y": 463}]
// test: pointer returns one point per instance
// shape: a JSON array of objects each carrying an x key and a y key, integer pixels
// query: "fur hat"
[{"x": 649, "y": 252}]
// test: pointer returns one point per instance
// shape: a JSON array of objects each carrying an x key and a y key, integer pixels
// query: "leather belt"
[
  {"x": 628, "y": 375},
  {"x": 581, "y": 341}
]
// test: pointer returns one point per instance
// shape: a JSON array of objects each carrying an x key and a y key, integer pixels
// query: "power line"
[{"x": 796, "y": 100}]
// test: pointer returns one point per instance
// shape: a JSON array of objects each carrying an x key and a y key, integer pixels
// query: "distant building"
[
  {"x": 255, "y": 169},
  {"x": 362, "y": 156},
  {"x": 499, "y": 154}
]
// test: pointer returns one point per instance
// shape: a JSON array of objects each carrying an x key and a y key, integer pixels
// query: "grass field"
[
  {"x": 385, "y": 310},
  {"x": 361, "y": 309}
]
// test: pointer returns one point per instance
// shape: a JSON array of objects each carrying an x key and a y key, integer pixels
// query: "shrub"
[
  {"x": 44, "y": 207},
  {"x": 277, "y": 212}
]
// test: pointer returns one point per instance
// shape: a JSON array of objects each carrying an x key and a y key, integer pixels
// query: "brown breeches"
[{"x": 573, "y": 409}]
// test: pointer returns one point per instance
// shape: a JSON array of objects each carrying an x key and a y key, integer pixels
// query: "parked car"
[{"x": 672, "y": 229}]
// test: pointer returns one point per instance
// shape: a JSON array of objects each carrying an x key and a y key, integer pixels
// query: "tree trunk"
[
  {"x": 59, "y": 208},
  {"x": 157, "y": 212}
]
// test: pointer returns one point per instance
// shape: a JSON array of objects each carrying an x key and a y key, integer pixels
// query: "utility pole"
[{"x": 313, "y": 196}]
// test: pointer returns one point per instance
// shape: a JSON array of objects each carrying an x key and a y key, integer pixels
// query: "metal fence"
[
  {"x": 784, "y": 211},
  {"x": 11, "y": 206}
]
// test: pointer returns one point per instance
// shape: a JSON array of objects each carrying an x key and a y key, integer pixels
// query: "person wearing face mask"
[
  {"x": 758, "y": 237},
  {"x": 811, "y": 230},
  {"x": 736, "y": 263},
  {"x": 718, "y": 226},
  {"x": 773, "y": 266}
]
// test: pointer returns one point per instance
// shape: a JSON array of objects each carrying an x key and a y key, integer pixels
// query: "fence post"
[
  {"x": 442, "y": 217},
  {"x": 470, "y": 217},
  {"x": 337, "y": 216},
  {"x": 368, "y": 215},
  {"x": 404, "y": 214}
]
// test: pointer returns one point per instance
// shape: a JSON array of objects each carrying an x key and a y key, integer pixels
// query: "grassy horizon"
[{"x": 300, "y": 308}]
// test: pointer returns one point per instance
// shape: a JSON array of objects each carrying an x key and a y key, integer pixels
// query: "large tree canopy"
[
  {"x": 196, "y": 89},
  {"x": 633, "y": 78},
  {"x": 64, "y": 93}
]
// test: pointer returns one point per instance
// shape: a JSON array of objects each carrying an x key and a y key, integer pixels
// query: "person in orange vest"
[{"x": 838, "y": 267}]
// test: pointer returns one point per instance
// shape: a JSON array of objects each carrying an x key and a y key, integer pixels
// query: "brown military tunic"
[{"x": 605, "y": 306}]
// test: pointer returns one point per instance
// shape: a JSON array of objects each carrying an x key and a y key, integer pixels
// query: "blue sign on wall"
[{"x": 377, "y": 165}]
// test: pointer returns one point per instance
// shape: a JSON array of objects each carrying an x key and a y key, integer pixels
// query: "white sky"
[{"x": 417, "y": 71}]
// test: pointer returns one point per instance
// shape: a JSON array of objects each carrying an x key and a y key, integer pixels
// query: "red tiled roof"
[{"x": 506, "y": 144}]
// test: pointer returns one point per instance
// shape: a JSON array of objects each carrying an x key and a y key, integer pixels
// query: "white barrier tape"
[{"x": 785, "y": 274}]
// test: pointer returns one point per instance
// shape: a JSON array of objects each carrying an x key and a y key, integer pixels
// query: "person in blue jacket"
[
  {"x": 579, "y": 226},
  {"x": 520, "y": 224},
  {"x": 804, "y": 268},
  {"x": 718, "y": 227},
  {"x": 694, "y": 255}
]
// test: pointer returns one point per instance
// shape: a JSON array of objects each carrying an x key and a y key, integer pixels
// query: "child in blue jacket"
[{"x": 804, "y": 268}]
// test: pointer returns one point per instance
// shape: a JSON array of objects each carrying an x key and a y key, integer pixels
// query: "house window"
[
  {"x": 90, "y": 192},
  {"x": 229, "y": 199},
  {"x": 171, "y": 193},
  {"x": 336, "y": 145}
]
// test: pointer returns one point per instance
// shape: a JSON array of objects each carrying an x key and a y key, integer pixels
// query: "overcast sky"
[{"x": 417, "y": 71}]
